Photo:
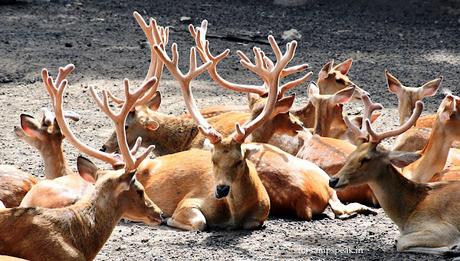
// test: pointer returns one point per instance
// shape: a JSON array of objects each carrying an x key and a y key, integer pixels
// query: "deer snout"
[
  {"x": 333, "y": 182},
  {"x": 222, "y": 191},
  {"x": 103, "y": 148}
]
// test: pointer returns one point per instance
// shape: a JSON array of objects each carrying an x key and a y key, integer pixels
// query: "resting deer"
[
  {"x": 426, "y": 214},
  {"x": 79, "y": 231},
  {"x": 170, "y": 133},
  {"x": 62, "y": 186},
  {"x": 415, "y": 138},
  {"x": 438, "y": 157}
]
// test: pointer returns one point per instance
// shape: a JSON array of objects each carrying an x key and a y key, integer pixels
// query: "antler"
[
  {"x": 56, "y": 93},
  {"x": 156, "y": 35},
  {"x": 271, "y": 75},
  {"x": 369, "y": 108},
  {"x": 119, "y": 119},
  {"x": 49, "y": 117},
  {"x": 184, "y": 81},
  {"x": 374, "y": 137},
  {"x": 202, "y": 45}
]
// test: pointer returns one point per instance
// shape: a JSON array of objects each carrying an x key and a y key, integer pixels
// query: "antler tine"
[
  {"x": 48, "y": 116},
  {"x": 119, "y": 120},
  {"x": 271, "y": 78},
  {"x": 184, "y": 81},
  {"x": 156, "y": 35},
  {"x": 369, "y": 108},
  {"x": 407, "y": 125},
  {"x": 292, "y": 84},
  {"x": 56, "y": 94}
]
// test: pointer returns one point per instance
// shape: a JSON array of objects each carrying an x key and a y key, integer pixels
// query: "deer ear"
[
  {"x": 430, "y": 88},
  {"x": 345, "y": 66},
  {"x": 401, "y": 158},
  {"x": 312, "y": 90},
  {"x": 394, "y": 85},
  {"x": 87, "y": 169},
  {"x": 30, "y": 126},
  {"x": 343, "y": 96},
  {"x": 323, "y": 74},
  {"x": 126, "y": 179},
  {"x": 446, "y": 108},
  {"x": 155, "y": 102},
  {"x": 283, "y": 105}
]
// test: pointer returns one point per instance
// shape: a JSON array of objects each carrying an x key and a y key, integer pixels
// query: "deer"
[
  {"x": 312, "y": 196},
  {"x": 78, "y": 231},
  {"x": 331, "y": 79},
  {"x": 61, "y": 186},
  {"x": 419, "y": 210},
  {"x": 437, "y": 157},
  {"x": 173, "y": 133},
  {"x": 415, "y": 138}
]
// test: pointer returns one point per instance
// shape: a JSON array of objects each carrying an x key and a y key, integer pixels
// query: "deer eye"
[
  {"x": 365, "y": 160},
  {"x": 340, "y": 81}
]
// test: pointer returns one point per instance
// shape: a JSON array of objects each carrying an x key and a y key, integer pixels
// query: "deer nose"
[
  {"x": 163, "y": 218},
  {"x": 103, "y": 148},
  {"x": 222, "y": 191},
  {"x": 333, "y": 182}
]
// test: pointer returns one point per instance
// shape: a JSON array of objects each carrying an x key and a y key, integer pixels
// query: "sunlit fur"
[
  {"x": 427, "y": 215},
  {"x": 79, "y": 231}
]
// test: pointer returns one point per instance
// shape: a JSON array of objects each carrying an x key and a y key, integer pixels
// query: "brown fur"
[
  {"x": 14, "y": 185},
  {"x": 79, "y": 231},
  {"x": 427, "y": 215}
]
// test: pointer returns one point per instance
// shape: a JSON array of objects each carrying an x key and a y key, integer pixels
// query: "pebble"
[{"x": 290, "y": 35}]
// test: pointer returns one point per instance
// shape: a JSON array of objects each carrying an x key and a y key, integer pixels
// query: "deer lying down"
[
  {"x": 79, "y": 231},
  {"x": 427, "y": 215},
  {"x": 62, "y": 186}
]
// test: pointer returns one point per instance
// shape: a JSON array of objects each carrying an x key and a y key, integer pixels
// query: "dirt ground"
[{"x": 417, "y": 41}]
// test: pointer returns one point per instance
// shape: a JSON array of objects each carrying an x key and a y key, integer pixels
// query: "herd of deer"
[{"x": 230, "y": 167}]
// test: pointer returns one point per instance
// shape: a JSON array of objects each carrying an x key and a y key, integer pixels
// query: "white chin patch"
[{"x": 207, "y": 145}]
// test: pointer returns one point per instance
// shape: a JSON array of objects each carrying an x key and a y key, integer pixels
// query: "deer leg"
[
  {"x": 187, "y": 218},
  {"x": 343, "y": 211},
  {"x": 428, "y": 242},
  {"x": 303, "y": 210}
]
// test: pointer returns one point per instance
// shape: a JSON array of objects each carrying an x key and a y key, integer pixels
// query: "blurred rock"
[
  {"x": 290, "y": 35},
  {"x": 290, "y": 2}
]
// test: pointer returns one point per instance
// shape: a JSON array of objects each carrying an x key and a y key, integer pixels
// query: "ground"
[{"x": 417, "y": 41}]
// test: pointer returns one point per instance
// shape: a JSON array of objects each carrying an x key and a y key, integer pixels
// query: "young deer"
[
  {"x": 438, "y": 157},
  {"x": 426, "y": 214},
  {"x": 79, "y": 231},
  {"x": 169, "y": 133}
]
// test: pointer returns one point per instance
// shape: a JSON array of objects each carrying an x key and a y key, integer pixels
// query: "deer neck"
[
  {"x": 93, "y": 219},
  {"x": 174, "y": 135},
  {"x": 434, "y": 155},
  {"x": 55, "y": 162},
  {"x": 397, "y": 195}
]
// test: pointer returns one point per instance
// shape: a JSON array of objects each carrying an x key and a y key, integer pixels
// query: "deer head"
[
  {"x": 333, "y": 78},
  {"x": 365, "y": 163},
  {"x": 136, "y": 206},
  {"x": 408, "y": 96},
  {"x": 328, "y": 107},
  {"x": 229, "y": 160}
]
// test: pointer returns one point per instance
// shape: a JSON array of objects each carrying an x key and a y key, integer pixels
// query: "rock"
[
  {"x": 185, "y": 19},
  {"x": 290, "y": 35},
  {"x": 68, "y": 44}
]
